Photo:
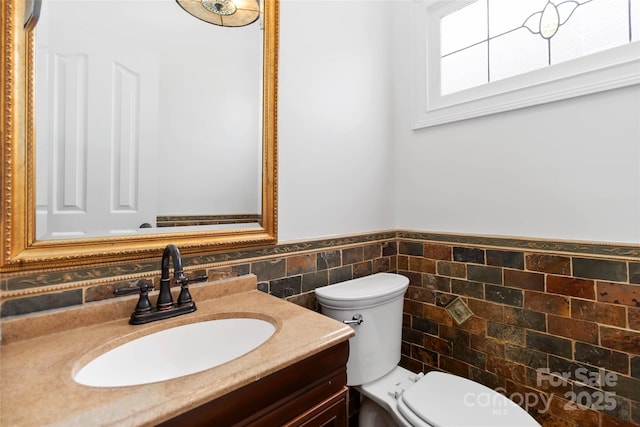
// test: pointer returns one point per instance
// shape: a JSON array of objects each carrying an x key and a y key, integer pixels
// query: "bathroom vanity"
[
  {"x": 296, "y": 378},
  {"x": 311, "y": 392}
]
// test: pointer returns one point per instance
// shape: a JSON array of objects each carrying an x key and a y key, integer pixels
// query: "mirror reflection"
[{"x": 146, "y": 118}]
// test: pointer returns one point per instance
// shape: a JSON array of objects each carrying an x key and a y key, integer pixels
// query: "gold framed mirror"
[{"x": 22, "y": 251}]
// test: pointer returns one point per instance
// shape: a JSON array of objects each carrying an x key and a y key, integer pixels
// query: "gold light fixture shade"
[{"x": 226, "y": 13}]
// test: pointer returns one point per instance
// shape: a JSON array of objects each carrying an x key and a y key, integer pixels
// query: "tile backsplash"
[
  {"x": 285, "y": 271},
  {"x": 555, "y": 325}
]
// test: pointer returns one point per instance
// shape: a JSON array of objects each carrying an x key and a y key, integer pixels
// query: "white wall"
[
  {"x": 563, "y": 170},
  {"x": 335, "y": 152},
  {"x": 350, "y": 163}
]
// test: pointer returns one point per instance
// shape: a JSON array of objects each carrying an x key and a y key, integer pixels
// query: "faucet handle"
[
  {"x": 186, "y": 280},
  {"x": 138, "y": 286},
  {"x": 142, "y": 286},
  {"x": 185, "y": 296}
]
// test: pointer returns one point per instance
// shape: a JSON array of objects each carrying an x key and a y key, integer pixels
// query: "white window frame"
[{"x": 605, "y": 70}]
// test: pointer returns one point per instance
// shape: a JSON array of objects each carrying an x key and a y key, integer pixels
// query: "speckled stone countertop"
[{"x": 40, "y": 353}]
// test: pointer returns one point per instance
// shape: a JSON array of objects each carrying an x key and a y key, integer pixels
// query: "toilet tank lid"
[
  {"x": 376, "y": 288},
  {"x": 443, "y": 399}
]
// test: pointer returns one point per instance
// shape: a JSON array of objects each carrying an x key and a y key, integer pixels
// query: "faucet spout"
[{"x": 171, "y": 252}]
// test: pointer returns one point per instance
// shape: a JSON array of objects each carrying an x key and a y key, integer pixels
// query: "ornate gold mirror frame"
[{"x": 21, "y": 251}]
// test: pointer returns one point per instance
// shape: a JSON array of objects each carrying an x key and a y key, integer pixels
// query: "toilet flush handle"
[{"x": 355, "y": 320}]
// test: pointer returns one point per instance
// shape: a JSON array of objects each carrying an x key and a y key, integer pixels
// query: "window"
[{"x": 473, "y": 58}]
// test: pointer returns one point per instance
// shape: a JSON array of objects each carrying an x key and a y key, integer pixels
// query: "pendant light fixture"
[{"x": 226, "y": 13}]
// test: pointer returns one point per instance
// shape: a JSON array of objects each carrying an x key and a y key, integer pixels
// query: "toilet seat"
[
  {"x": 436, "y": 399},
  {"x": 442, "y": 399}
]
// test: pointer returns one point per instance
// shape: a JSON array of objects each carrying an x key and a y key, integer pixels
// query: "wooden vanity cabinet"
[{"x": 310, "y": 393}]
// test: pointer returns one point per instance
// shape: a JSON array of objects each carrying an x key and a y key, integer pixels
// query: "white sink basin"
[{"x": 175, "y": 352}]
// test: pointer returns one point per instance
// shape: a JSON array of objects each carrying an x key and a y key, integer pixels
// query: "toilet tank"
[{"x": 375, "y": 349}]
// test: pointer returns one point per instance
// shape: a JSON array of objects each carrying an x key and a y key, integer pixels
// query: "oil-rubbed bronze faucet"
[
  {"x": 165, "y": 300},
  {"x": 165, "y": 307}
]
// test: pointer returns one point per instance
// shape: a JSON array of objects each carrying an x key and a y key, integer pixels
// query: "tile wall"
[
  {"x": 555, "y": 328},
  {"x": 541, "y": 309}
]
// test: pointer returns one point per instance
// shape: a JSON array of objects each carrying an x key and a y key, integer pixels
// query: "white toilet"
[{"x": 392, "y": 395}]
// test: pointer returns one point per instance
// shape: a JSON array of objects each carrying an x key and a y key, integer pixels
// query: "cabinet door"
[
  {"x": 311, "y": 392},
  {"x": 332, "y": 412}
]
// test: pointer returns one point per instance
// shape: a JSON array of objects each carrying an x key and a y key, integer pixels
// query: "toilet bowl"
[{"x": 392, "y": 395}]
